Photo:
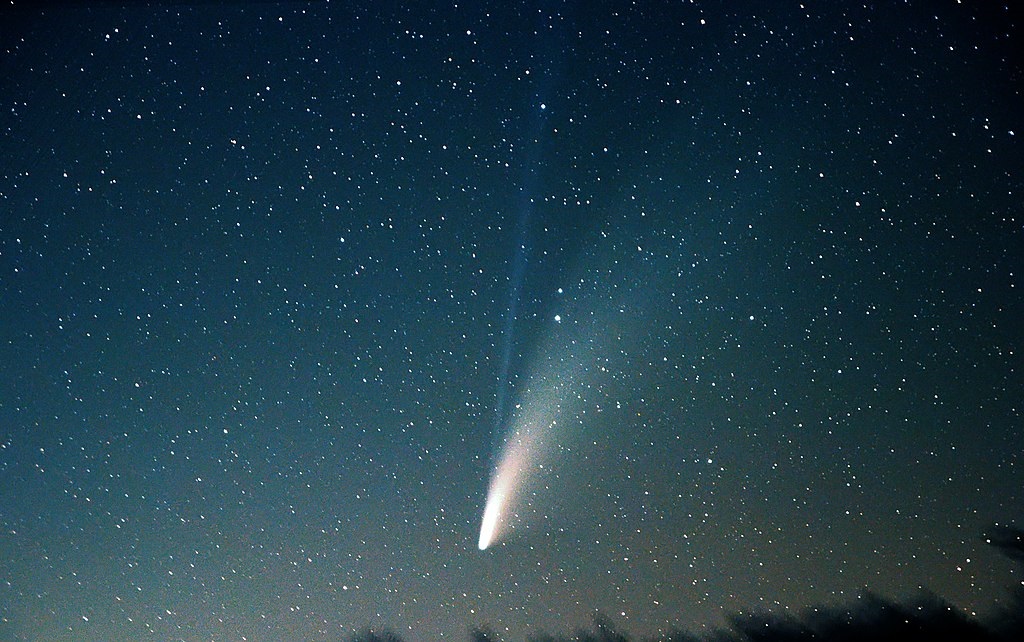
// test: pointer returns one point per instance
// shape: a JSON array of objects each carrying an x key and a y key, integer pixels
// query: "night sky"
[{"x": 277, "y": 282}]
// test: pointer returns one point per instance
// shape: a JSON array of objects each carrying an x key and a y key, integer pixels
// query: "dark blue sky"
[{"x": 257, "y": 264}]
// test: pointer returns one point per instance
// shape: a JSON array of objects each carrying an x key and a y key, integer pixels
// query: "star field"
[{"x": 277, "y": 279}]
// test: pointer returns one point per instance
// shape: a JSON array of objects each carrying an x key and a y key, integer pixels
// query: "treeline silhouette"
[{"x": 926, "y": 618}]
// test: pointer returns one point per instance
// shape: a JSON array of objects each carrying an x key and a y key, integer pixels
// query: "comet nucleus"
[{"x": 517, "y": 456}]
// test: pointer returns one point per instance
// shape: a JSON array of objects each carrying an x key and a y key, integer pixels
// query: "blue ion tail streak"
[
  {"x": 519, "y": 450},
  {"x": 498, "y": 492}
]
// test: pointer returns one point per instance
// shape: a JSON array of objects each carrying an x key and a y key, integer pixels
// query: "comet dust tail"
[
  {"x": 519, "y": 455},
  {"x": 492, "y": 512},
  {"x": 498, "y": 495}
]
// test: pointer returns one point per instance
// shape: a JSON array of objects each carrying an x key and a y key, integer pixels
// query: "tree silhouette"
[
  {"x": 483, "y": 634},
  {"x": 1008, "y": 621},
  {"x": 873, "y": 618},
  {"x": 370, "y": 635}
]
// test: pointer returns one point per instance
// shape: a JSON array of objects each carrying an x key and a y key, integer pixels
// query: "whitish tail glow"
[
  {"x": 571, "y": 363},
  {"x": 518, "y": 454},
  {"x": 492, "y": 512}
]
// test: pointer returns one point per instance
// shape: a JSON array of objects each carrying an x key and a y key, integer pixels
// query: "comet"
[
  {"x": 506, "y": 484},
  {"x": 492, "y": 512},
  {"x": 536, "y": 428}
]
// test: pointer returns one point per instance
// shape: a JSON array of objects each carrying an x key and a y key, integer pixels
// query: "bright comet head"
[
  {"x": 519, "y": 453},
  {"x": 495, "y": 500}
]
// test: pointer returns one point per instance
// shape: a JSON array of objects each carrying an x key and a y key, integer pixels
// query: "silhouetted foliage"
[
  {"x": 483, "y": 634},
  {"x": 375, "y": 636},
  {"x": 1008, "y": 622},
  {"x": 871, "y": 618},
  {"x": 604, "y": 631},
  {"x": 719, "y": 635},
  {"x": 1008, "y": 540}
]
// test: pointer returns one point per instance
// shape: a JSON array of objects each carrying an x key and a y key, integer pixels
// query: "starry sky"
[{"x": 278, "y": 280}]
